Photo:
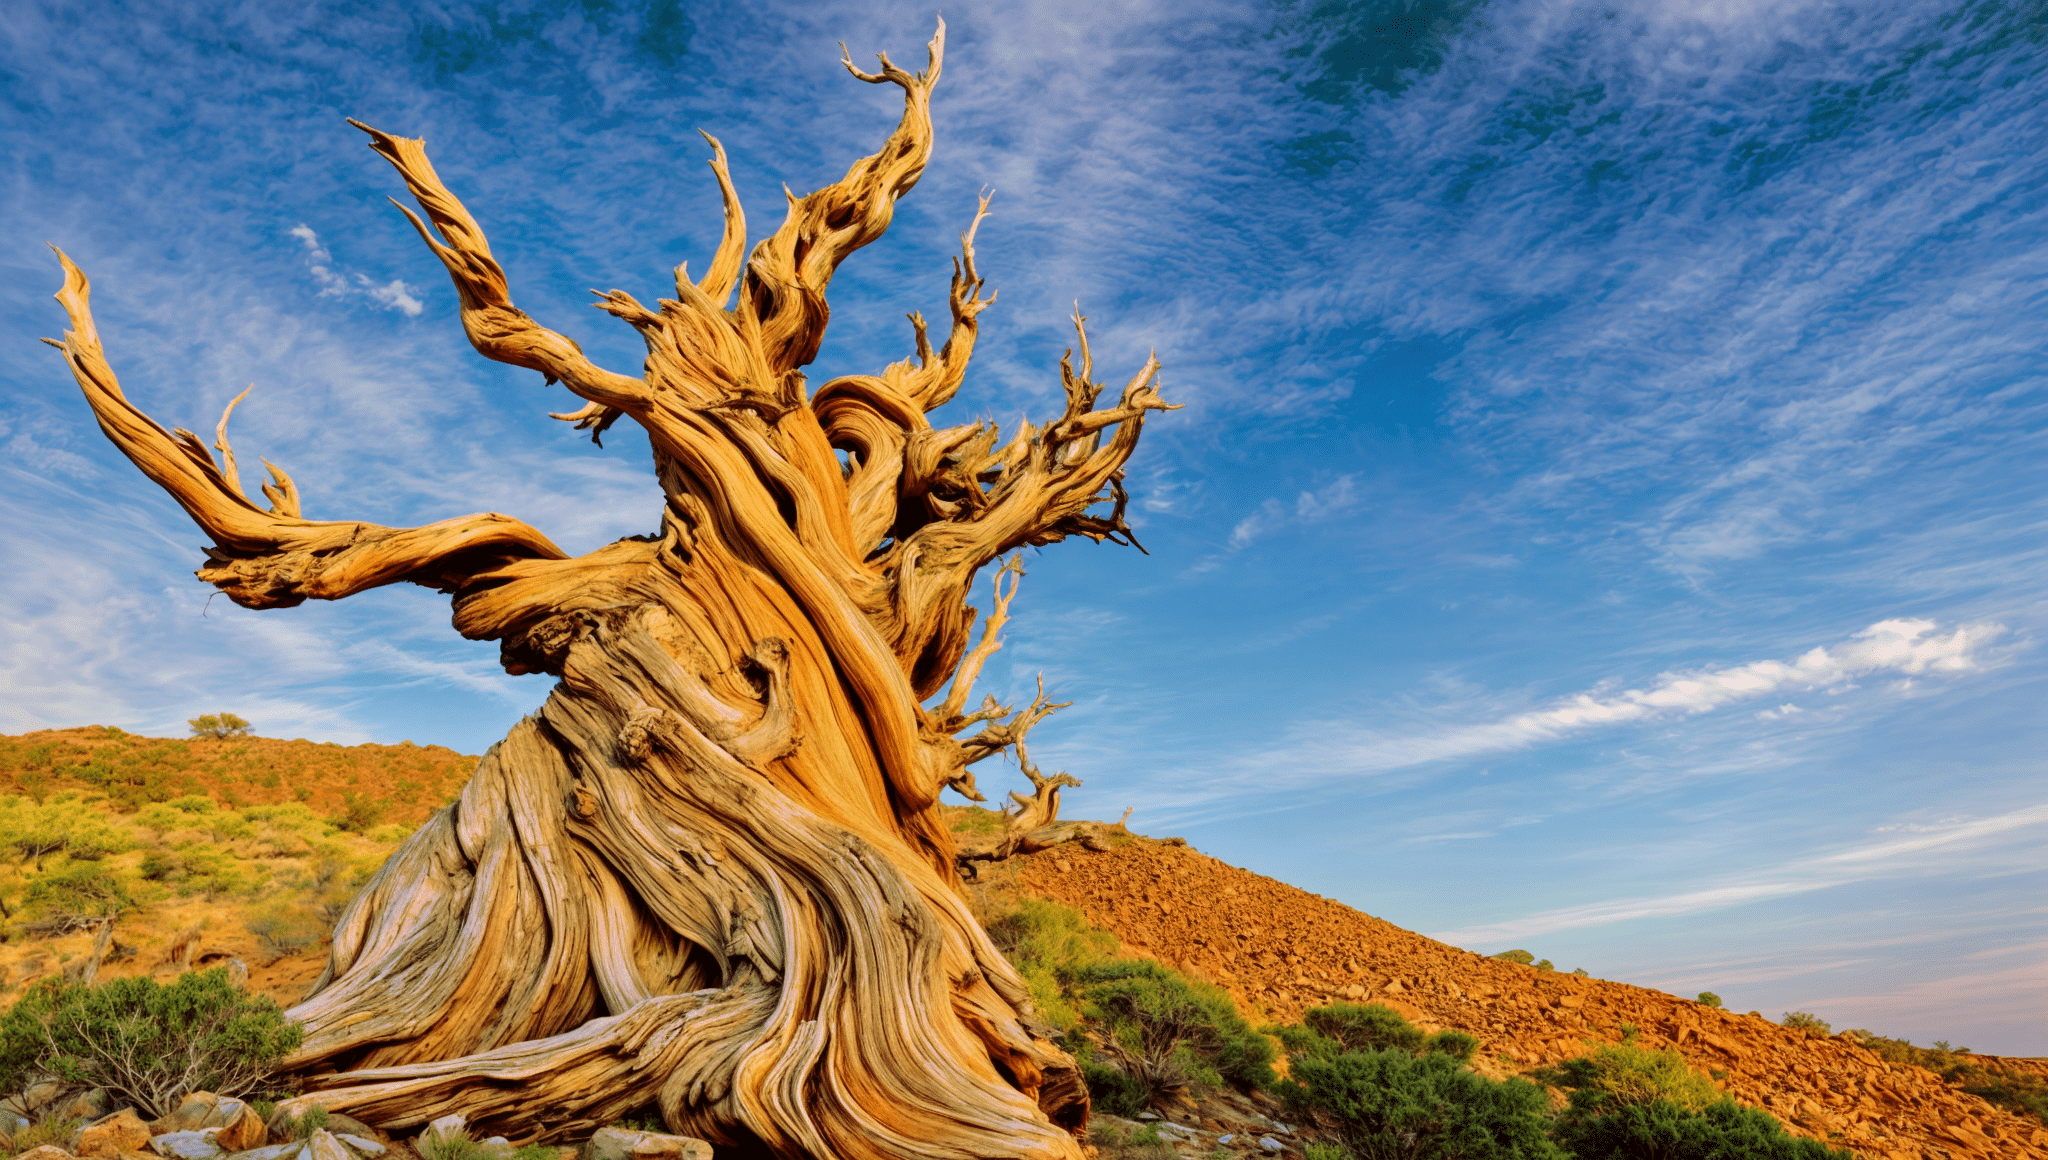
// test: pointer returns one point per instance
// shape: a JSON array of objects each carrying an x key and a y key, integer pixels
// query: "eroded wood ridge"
[{"x": 709, "y": 874}]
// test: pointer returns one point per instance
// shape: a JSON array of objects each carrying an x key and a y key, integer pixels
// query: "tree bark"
[{"x": 710, "y": 873}]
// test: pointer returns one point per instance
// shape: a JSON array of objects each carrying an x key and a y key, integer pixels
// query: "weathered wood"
[{"x": 710, "y": 873}]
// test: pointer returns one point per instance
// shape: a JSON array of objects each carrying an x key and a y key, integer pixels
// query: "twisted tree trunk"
[{"x": 710, "y": 873}]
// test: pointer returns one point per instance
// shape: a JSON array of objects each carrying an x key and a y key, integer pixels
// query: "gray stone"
[
  {"x": 1226, "y": 1137},
  {"x": 338, "y": 1123},
  {"x": 188, "y": 1144},
  {"x": 323, "y": 1146},
  {"x": 12, "y": 1125},
  {"x": 626, "y": 1144},
  {"x": 1270, "y": 1144},
  {"x": 363, "y": 1144},
  {"x": 451, "y": 1124},
  {"x": 272, "y": 1152},
  {"x": 1148, "y": 1115}
]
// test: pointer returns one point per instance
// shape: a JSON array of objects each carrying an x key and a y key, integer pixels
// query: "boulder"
[
  {"x": 44, "y": 1152},
  {"x": 626, "y": 1144},
  {"x": 271, "y": 1152},
  {"x": 323, "y": 1146},
  {"x": 12, "y": 1124},
  {"x": 188, "y": 1144},
  {"x": 241, "y": 1131},
  {"x": 194, "y": 1113},
  {"x": 113, "y": 1136},
  {"x": 87, "y": 1105},
  {"x": 41, "y": 1095},
  {"x": 338, "y": 1123},
  {"x": 361, "y": 1144}
]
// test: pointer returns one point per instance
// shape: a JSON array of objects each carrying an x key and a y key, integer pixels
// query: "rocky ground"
[{"x": 1280, "y": 950}]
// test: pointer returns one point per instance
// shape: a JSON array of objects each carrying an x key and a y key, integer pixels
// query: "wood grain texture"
[{"x": 710, "y": 873}]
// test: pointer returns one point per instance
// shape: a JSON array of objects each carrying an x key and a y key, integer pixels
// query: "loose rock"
[
  {"x": 363, "y": 1144},
  {"x": 323, "y": 1146},
  {"x": 113, "y": 1136},
  {"x": 188, "y": 1145},
  {"x": 626, "y": 1144},
  {"x": 271, "y": 1152},
  {"x": 241, "y": 1131},
  {"x": 1270, "y": 1144},
  {"x": 44, "y": 1152}
]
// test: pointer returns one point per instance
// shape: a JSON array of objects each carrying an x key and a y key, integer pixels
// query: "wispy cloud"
[
  {"x": 1877, "y": 859},
  {"x": 1327, "y": 502},
  {"x": 1901, "y": 649},
  {"x": 337, "y": 283}
]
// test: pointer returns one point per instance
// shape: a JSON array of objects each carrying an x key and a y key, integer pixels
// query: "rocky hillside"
[
  {"x": 1280, "y": 950},
  {"x": 237, "y": 852}
]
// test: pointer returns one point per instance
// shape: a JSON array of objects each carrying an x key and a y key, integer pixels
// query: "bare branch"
[
  {"x": 499, "y": 330},
  {"x": 788, "y": 273},
  {"x": 275, "y": 559},
  {"x": 949, "y": 716},
  {"x": 718, "y": 281}
]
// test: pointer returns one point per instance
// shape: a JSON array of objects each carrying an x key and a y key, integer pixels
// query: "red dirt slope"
[{"x": 1279, "y": 950}]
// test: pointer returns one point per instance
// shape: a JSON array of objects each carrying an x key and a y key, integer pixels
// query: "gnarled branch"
[{"x": 275, "y": 559}]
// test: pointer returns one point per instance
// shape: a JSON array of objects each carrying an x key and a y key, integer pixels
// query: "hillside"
[
  {"x": 241, "y": 852},
  {"x": 1279, "y": 950},
  {"x": 384, "y": 783}
]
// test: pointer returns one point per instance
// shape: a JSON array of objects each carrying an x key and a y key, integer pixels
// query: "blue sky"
[{"x": 1608, "y": 517}]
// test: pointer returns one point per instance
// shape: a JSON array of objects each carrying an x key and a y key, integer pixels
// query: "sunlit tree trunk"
[{"x": 710, "y": 872}]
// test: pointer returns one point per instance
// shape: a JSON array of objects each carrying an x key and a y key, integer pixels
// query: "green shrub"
[
  {"x": 1395, "y": 1105},
  {"x": 1803, "y": 1021},
  {"x": 1629, "y": 1102},
  {"x": 1545, "y": 965},
  {"x": 1048, "y": 943},
  {"x": 359, "y": 812},
  {"x": 283, "y": 929},
  {"x": 218, "y": 726},
  {"x": 147, "y": 1043},
  {"x": 302, "y": 1126},
  {"x": 1522, "y": 957},
  {"x": 49, "y": 1128},
  {"x": 1721, "y": 1131},
  {"x": 77, "y": 898},
  {"x": 1626, "y": 1074},
  {"x": 1710, "y": 999},
  {"x": 1456, "y": 1044},
  {"x": 1169, "y": 1032},
  {"x": 1366, "y": 1027},
  {"x": 1323, "y": 1152}
]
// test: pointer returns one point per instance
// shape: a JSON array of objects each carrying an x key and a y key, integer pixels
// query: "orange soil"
[{"x": 1280, "y": 950}]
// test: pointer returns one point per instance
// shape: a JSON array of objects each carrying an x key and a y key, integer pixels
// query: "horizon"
[{"x": 1605, "y": 521}]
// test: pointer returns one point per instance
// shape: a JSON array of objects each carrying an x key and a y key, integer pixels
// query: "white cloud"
[
  {"x": 1907, "y": 647},
  {"x": 1856, "y": 864},
  {"x": 1310, "y": 507},
  {"x": 392, "y": 295}
]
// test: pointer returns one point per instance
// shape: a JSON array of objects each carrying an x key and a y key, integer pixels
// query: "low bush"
[
  {"x": 1628, "y": 1103},
  {"x": 1397, "y": 1092},
  {"x": 1803, "y": 1021},
  {"x": 283, "y": 929},
  {"x": 77, "y": 898},
  {"x": 2016, "y": 1091},
  {"x": 1626, "y": 1074},
  {"x": 1517, "y": 956},
  {"x": 148, "y": 1044},
  {"x": 1710, "y": 999},
  {"x": 1048, "y": 943},
  {"x": 1169, "y": 1032},
  {"x": 1395, "y": 1105},
  {"x": 1721, "y": 1131}
]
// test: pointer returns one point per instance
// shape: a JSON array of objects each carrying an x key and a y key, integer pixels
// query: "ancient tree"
[{"x": 710, "y": 872}]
